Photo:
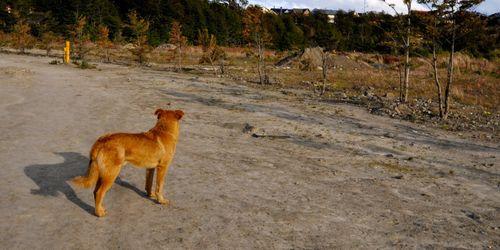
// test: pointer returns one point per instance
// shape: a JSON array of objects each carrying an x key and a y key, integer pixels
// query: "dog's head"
[{"x": 169, "y": 114}]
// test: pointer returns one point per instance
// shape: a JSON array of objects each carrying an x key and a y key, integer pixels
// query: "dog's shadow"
[{"x": 53, "y": 179}]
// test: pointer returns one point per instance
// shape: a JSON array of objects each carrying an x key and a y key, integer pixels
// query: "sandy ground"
[{"x": 327, "y": 176}]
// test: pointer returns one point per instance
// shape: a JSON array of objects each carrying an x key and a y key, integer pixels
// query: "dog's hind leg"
[
  {"x": 105, "y": 186},
  {"x": 106, "y": 183},
  {"x": 97, "y": 186},
  {"x": 149, "y": 181},
  {"x": 111, "y": 169}
]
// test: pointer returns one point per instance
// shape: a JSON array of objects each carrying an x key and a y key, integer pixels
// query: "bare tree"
[
  {"x": 179, "y": 41},
  {"x": 140, "y": 28},
  {"x": 103, "y": 41},
  {"x": 326, "y": 64},
  {"x": 443, "y": 15},
  {"x": 404, "y": 35},
  {"x": 212, "y": 53},
  {"x": 81, "y": 38},
  {"x": 50, "y": 41},
  {"x": 21, "y": 36},
  {"x": 255, "y": 31}
]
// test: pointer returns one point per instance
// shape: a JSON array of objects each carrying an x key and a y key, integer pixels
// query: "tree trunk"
[
  {"x": 401, "y": 85},
  {"x": 259, "y": 67},
  {"x": 450, "y": 71},
  {"x": 407, "y": 73},
  {"x": 212, "y": 64},
  {"x": 436, "y": 79},
  {"x": 107, "y": 55},
  {"x": 260, "y": 61},
  {"x": 407, "y": 54},
  {"x": 179, "y": 59},
  {"x": 221, "y": 66},
  {"x": 325, "y": 71}
]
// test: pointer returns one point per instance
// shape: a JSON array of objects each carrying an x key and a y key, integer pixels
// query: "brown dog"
[{"x": 151, "y": 150}]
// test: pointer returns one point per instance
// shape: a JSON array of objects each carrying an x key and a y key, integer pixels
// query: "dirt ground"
[{"x": 314, "y": 175}]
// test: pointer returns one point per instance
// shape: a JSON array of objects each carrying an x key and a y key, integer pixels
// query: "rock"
[
  {"x": 128, "y": 46},
  {"x": 441, "y": 174},
  {"x": 389, "y": 96},
  {"x": 340, "y": 95},
  {"x": 166, "y": 46},
  {"x": 402, "y": 109},
  {"x": 471, "y": 215},
  {"x": 389, "y": 135},
  {"x": 248, "y": 128}
]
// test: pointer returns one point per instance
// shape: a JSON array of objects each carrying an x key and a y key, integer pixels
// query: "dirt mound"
[
  {"x": 287, "y": 59},
  {"x": 311, "y": 59},
  {"x": 312, "y": 56}
]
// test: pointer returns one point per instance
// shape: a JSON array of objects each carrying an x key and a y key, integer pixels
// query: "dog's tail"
[{"x": 91, "y": 178}]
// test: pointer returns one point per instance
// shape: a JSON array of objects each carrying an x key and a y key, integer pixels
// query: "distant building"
[
  {"x": 303, "y": 12},
  {"x": 299, "y": 12},
  {"x": 330, "y": 14},
  {"x": 280, "y": 11},
  {"x": 266, "y": 10}
]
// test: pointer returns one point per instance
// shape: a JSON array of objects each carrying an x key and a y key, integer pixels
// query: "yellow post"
[{"x": 66, "y": 53}]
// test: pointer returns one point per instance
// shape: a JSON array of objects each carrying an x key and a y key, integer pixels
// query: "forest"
[{"x": 361, "y": 32}]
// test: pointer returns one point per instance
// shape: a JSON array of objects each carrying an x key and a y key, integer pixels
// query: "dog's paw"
[
  {"x": 163, "y": 201},
  {"x": 100, "y": 212}
]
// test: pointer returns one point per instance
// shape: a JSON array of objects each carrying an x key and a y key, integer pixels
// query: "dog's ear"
[
  {"x": 158, "y": 112},
  {"x": 179, "y": 114}
]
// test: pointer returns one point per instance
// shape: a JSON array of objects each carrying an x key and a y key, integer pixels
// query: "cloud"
[{"x": 488, "y": 6}]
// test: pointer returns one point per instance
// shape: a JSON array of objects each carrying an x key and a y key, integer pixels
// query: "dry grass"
[{"x": 476, "y": 81}]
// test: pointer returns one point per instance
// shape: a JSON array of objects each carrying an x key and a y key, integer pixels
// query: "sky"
[{"x": 487, "y": 7}]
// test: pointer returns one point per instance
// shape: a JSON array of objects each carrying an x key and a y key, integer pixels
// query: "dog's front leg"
[
  {"x": 149, "y": 181},
  {"x": 160, "y": 180}
]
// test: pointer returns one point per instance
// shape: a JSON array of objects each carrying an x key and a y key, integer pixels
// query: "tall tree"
[
  {"x": 326, "y": 64},
  {"x": 103, "y": 41},
  {"x": 180, "y": 42},
  {"x": 21, "y": 36},
  {"x": 255, "y": 31},
  {"x": 444, "y": 21},
  {"x": 139, "y": 28},
  {"x": 211, "y": 51},
  {"x": 81, "y": 37},
  {"x": 404, "y": 33}
]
